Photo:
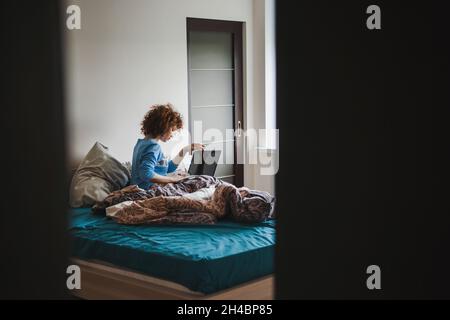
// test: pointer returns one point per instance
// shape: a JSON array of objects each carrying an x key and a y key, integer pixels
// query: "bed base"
[{"x": 104, "y": 282}]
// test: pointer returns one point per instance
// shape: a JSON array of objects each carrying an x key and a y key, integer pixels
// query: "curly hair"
[{"x": 160, "y": 119}]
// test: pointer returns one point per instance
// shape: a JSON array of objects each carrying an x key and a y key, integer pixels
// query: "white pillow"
[{"x": 98, "y": 175}]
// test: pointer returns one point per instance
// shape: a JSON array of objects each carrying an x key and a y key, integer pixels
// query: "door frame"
[{"x": 235, "y": 28}]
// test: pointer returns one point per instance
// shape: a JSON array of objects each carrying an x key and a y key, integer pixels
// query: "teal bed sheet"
[{"x": 203, "y": 258}]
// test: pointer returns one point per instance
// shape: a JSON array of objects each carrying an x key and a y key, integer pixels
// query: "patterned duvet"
[{"x": 193, "y": 200}]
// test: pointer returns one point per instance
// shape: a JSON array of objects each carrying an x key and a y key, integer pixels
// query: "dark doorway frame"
[{"x": 235, "y": 28}]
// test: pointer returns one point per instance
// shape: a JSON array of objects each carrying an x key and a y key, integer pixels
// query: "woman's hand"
[
  {"x": 191, "y": 148},
  {"x": 187, "y": 149},
  {"x": 183, "y": 174},
  {"x": 165, "y": 179},
  {"x": 176, "y": 178}
]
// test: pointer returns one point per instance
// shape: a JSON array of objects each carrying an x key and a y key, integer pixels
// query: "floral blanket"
[{"x": 176, "y": 203}]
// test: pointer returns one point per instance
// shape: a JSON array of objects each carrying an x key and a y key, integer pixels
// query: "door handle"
[{"x": 239, "y": 129}]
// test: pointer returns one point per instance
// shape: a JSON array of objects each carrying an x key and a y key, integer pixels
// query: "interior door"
[{"x": 215, "y": 91}]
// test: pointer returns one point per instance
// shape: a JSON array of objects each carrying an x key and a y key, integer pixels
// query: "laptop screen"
[{"x": 204, "y": 162}]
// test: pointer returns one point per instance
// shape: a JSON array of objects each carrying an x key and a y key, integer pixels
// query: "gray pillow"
[{"x": 98, "y": 175}]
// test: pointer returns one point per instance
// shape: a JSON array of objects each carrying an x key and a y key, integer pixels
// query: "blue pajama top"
[{"x": 149, "y": 159}]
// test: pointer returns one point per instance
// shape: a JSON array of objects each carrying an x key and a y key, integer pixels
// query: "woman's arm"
[
  {"x": 147, "y": 165},
  {"x": 185, "y": 150},
  {"x": 157, "y": 178}
]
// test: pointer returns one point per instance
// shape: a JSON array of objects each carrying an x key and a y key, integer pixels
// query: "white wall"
[
  {"x": 264, "y": 77},
  {"x": 130, "y": 54}
]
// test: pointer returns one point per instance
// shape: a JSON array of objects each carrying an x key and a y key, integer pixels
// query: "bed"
[{"x": 226, "y": 260}]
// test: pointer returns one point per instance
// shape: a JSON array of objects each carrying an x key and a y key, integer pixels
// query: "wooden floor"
[{"x": 100, "y": 281}]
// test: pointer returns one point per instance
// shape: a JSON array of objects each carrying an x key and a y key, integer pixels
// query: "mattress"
[{"x": 203, "y": 258}]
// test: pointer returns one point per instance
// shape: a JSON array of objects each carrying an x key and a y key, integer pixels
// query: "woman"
[{"x": 149, "y": 164}]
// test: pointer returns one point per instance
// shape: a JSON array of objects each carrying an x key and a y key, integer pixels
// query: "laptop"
[{"x": 204, "y": 162}]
